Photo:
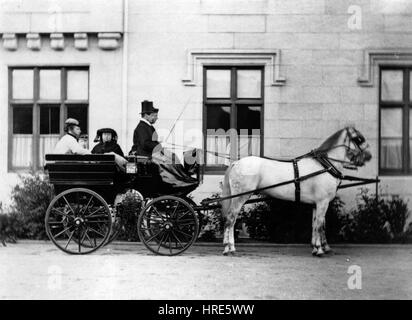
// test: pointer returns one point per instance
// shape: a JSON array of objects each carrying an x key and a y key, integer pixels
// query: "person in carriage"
[
  {"x": 145, "y": 143},
  {"x": 69, "y": 143},
  {"x": 107, "y": 142}
]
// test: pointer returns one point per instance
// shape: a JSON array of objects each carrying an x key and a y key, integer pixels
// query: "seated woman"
[{"x": 107, "y": 139}]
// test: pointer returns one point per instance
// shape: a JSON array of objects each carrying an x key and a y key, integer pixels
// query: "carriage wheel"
[
  {"x": 168, "y": 225},
  {"x": 78, "y": 221}
]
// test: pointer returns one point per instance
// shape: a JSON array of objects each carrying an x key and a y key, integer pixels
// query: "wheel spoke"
[
  {"x": 90, "y": 240},
  {"x": 61, "y": 232},
  {"x": 55, "y": 222},
  {"x": 80, "y": 241},
  {"x": 186, "y": 234},
  {"x": 71, "y": 209},
  {"x": 174, "y": 212},
  {"x": 91, "y": 214},
  {"x": 178, "y": 240},
  {"x": 87, "y": 205},
  {"x": 161, "y": 217},
  {"x": 60, "y": 213},
  {"x": 70, "y": 239},
  {"x": 170, "y": 244},
  {"x": 188, "y": 211},
  {"x": 96, "y": 221},
  {"x": 160, "y": 242},
  {"x": 153, "y": 236},
  {"x": 98, "y": 232},
  {"x": 187, "y": 222}
]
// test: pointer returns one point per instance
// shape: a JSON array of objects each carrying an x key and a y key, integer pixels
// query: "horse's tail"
[{"x": 226, "y": 191}]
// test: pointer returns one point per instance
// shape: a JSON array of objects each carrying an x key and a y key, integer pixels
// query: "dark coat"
[
  {"x": 110, "y": 146},
  {"x": 144, "y": 139}
]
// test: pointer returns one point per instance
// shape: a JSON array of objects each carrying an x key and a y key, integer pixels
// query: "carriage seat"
[{"x": 81, "y": 170}]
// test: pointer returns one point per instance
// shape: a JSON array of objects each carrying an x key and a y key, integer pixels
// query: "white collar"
[{"x": 144, "y": 120}]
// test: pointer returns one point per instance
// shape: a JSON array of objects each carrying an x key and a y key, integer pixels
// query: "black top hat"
[{"x": 147, "y": 107}]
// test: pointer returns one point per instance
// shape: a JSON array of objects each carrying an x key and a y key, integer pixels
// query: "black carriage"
[{"x": 85, "y": 213}]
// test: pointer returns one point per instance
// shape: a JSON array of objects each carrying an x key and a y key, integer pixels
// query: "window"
[
  {"x": 40, "y": 100},
  {"x": 395, "y": 121},
  {"x": 233, "y": 114}
]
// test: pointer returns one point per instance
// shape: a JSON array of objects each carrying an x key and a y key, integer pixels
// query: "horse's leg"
[
  {"x": 230, "y": 222},
  {"x": 314, "y": 250},
  {"x": 318, "y": 227},
  {"x": 325, "y": 246}
]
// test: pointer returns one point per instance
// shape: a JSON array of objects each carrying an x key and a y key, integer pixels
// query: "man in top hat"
[
  {"x": 145, "y": 136},
  {"x": 69, "y": 143}
]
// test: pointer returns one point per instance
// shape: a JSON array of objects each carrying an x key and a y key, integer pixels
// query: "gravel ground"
[{"x": 38, "y": 270}]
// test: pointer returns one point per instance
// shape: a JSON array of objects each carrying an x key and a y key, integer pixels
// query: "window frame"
[
  {"x": 233, "y": 101},
  {"x": 36, "y": 104},
  {"x": 405, "y": 105}
]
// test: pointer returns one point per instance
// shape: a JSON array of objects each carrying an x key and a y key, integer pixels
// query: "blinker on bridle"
[{"x": 358, "y": 140}]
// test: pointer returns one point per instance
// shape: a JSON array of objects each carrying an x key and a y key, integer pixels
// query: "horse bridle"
[{"x": 358, "y": 140}]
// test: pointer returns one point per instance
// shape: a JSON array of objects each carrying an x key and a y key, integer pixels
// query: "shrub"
[
  {"x": 211, "y": 222},
  {"x": 274, "y": 220},
  {"x": 287, "y": 222},
  {"x": 30, "y": 201},
  {"x": 10, "y": 226},
  {"x": 376, "y": 220},
  {"x": 128, "y": 214}
]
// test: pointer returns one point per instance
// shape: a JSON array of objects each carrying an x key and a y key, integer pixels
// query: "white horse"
[{"x": 345, "y": 147}]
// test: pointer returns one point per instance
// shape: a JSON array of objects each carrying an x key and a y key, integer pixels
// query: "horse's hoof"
[
  {"x": 320, "y": 253},
  {"x": 314, "y": 251},
  {"x": 329, "y": 251},
  {"x": 232, "y": 253}
]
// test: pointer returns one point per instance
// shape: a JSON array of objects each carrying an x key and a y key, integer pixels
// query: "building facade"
[{"x": 278, "y": 75}]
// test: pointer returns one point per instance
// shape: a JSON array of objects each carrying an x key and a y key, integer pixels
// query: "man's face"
[
  {"x": 106, "y": 136},
  {"x": 152, "y": 117},
  {"x": 76, "y": 131}
]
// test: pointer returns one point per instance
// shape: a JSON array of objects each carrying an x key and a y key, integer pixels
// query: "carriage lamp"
[{"x": 131, "y": 167}]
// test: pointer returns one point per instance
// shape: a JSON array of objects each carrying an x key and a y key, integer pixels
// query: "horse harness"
[{"x": 323, "y": 160}]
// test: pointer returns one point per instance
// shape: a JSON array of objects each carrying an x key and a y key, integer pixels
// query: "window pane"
[
  {"x": 49, "y": 120},
  {"x": 391, "y": 138},
  {"x": 248, "y": 121},
  {"x": 22, "y": 150},
  {"x": 218, "y": 83},
  {"x": 79, "y": 113},
  {"x": 22, "y": 84},
  {"x": 249, "y": 83},
  {"x": 218, "y": 135},
  {"x": 218, "y": 117},
  {"x": 23, "y": 120},
  {"x": 46, "y": 145},
  {"x": 50, "y": 84},
  {"x": 77, "y": 85},
  {"x": 410, "y": 86},
  {"x": 410, "y": 138},
  {"x": 248, "y": 118},
  {"x": 392, "y": 84}
]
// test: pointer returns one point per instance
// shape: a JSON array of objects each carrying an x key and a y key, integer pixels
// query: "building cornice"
[{"x": 106, "y": 40}]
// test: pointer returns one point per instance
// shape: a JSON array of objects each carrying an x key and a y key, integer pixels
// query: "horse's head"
[{"x": 356, "y": 147}]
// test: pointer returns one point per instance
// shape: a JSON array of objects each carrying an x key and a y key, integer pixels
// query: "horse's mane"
[{"x": 331, "y": 141}]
